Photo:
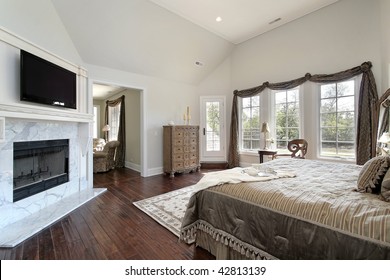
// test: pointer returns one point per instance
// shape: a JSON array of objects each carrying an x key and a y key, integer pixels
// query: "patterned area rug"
[{"x": 167, "y": 209}]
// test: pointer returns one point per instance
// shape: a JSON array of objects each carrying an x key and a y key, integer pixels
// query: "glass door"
[{"x": 212, "y": 129}]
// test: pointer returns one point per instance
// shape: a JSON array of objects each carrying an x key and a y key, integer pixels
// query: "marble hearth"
[{"x": 21, "y": 219}]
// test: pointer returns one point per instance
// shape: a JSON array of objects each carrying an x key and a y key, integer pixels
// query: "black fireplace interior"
[{"x": 39, "y": 166}]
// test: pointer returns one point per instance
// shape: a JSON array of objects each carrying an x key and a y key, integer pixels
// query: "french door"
[{"x": 212, "y": 129}]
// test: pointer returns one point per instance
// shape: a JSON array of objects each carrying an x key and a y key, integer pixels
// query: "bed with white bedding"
[{"x": 312, "y": 211}]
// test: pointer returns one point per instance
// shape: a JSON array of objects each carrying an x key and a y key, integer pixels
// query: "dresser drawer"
[
  {"x": 179, "y": 165},
  {"x": 178, "y": 149},
  {"x": 190, "y": 163},
  {"x": 178, "y": 142},
  {"x": 191, "y": 149},
  {"x": 178, "y": 157}
]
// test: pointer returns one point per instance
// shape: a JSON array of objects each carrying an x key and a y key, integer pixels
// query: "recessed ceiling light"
[{"x": 218, "y": 19}]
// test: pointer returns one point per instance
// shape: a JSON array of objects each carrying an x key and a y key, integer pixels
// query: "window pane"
[
  {"x": 246, "y": 102},
  {"x": 346, "y": 134},
  {"x": 293, "y": 133},
  {"x": 255, "y": 101},
  {"x": 280, "y": 97},
  {"x": 286, "y": 117},
  {"x": 281, "y": 145},
  {"x": 281, "y": 133},
  {"x": 345, "y": 88},
  {"x": 346, "y": 119},
  {"x": 328, "y": 149},
  {"x": 346, "y": 150},
  {"x": 328, "y": 91},
  {"x": 293, "y": 96},
  {"x": 346, "y": 103},
  {"x": 328, "y": 119},
  {"x": 212, "y": 126},
  {"x": 113, "y": 121},
  {"x": 337, "y": 119},
  {"x": 329, "y": 134},
  {"x": 250, "y": 123},
  {"x": 328, "y": 105}
]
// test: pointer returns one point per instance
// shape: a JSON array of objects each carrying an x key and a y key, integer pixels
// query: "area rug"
[{"x": 167, "y": 209}]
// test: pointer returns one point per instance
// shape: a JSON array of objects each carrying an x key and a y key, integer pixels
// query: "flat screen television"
[{"x": 46, "y": 83}]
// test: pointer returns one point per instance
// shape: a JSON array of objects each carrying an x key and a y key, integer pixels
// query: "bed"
[{"x": 324, "y": 211}]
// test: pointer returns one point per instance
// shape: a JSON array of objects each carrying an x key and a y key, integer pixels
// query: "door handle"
[{"x": 204, "y": 131}]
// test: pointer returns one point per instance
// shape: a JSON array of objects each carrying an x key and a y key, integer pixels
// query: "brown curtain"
[
  {"x": 367, "y": 109},
  {"x": 121, "y": 150}
]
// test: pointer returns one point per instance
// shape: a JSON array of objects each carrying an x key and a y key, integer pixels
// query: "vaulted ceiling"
[{"x": 178, "y": 40}]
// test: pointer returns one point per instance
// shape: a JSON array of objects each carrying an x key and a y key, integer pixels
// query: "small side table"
[{"x": 263, "y": 153}]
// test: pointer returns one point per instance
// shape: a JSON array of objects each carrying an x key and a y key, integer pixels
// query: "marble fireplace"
[{"x": 26, "y": 216}]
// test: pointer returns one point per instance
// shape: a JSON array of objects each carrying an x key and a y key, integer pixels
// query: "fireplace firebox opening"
[{"x": 39, "y": 166}]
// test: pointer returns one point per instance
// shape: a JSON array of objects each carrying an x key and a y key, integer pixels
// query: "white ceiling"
[
  {"x": 241, "y": 19},
  {"x": 166, "y": 38},
  {"x": 102, "y": 91}
]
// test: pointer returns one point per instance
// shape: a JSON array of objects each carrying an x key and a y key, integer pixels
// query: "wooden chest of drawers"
[{"x": 181, "y": 149}]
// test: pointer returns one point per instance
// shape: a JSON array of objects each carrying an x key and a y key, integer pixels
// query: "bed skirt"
[{"x": 229, "y": 250}]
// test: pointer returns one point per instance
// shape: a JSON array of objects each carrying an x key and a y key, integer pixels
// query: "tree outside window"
[
  {"x": 286, "y": 117},
  {"x": 337, "y": 120},
  {"x": 213, "y": 126},
  {"x": 250, "y": 123}
]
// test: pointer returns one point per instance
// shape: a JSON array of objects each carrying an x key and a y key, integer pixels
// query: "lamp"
[
  {"x": 106, "y": 129},
  {"x": 265, "y": 130}
]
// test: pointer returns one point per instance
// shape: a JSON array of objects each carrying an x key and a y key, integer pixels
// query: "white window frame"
[
  {"x": 96, "y": 124},
  {"x": 209, "y": 156},
  {"x": 272, "y": 116},
  {"x": 357, "y": 81},
  {"x": 240, "y": 132}
]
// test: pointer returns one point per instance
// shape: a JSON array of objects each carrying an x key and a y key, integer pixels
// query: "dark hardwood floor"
[{"x": 111, "y": 227}]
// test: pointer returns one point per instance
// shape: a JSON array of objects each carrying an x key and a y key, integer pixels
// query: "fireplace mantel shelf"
[{"x": 43, "y": 113}]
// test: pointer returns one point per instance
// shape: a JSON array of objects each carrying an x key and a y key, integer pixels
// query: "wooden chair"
[{"x": 297, "y": 147}]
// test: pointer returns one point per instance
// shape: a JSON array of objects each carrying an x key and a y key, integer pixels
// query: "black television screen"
[{"x": 47, "y": 83}]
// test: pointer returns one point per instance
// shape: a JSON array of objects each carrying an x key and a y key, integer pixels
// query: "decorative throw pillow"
[
  {"x": 385, "y": 187},
  {"x": 372, "y": 173}
]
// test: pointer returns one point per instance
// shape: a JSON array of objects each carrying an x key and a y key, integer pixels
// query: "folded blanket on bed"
[{"x": 235, "y": 175}]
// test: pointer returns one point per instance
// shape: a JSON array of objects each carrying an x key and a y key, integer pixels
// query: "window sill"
[
  {"x": 335, "y": 159},
  {"x": 249, "y": 153}
]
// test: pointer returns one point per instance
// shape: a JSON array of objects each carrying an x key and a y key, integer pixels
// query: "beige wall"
[{"x": 133, "y": 124}]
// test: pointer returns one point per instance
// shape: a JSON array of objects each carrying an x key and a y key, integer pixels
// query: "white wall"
[
  {"x": 385, "y": 26},
  {"x": 335, "y": 38},
  {"x": 37, "y": 21}
]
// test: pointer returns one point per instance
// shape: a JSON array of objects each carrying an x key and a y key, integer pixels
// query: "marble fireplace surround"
[{"x": 24, "y": 218}]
